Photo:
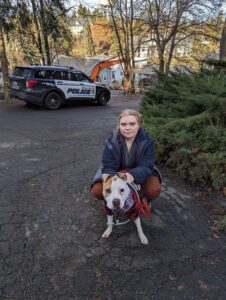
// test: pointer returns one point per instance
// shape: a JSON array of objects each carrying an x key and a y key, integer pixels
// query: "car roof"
[{"x": 54, "y": 68}]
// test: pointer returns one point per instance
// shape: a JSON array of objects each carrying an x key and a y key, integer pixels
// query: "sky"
[
  {"x": 96, "y": 3},
  {"x": 89, "y": 3}
]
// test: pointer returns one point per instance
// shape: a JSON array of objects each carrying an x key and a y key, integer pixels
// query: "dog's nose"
[{"x": 116, "y": 202}]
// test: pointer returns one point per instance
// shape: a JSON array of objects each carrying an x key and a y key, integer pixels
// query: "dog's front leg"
[
  {"x": 108, "y": 231},
  {"x": 141, "y": 235}
]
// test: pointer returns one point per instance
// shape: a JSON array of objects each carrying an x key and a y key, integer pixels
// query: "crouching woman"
[{"x": 131, "y": 149}]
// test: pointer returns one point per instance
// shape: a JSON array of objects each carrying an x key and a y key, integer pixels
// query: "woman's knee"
[
  {"x": 152, "y": 187},
  {"x": 155, "y": 191}
]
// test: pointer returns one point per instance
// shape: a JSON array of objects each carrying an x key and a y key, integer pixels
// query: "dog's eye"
[
  {"x": 122, "y": 190},
  {"x": 108, "y": 191}
]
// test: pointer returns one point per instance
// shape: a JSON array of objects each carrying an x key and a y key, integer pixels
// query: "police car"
[{"x": 52, "y": 86}]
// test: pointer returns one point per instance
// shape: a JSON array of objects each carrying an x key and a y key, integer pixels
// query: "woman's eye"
[
  {"x": 108, "y": 191},
  {"x": 122, "y": 190}
]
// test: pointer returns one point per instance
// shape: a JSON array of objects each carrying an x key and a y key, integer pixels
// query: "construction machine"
[
  {"x": 102, "y": 65},
  {"x": 106, "y": 64}
]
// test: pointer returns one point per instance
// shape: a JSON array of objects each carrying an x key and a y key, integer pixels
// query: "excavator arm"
[{"x": 102, "y": 65}]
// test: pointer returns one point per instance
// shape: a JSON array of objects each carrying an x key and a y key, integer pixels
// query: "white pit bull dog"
[{"x": 119, "y": 200}]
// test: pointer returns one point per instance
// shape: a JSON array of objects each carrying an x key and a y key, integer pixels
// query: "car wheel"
[
  {"x": 53, "y": 101},
  {"x": 103, "y": 98}
]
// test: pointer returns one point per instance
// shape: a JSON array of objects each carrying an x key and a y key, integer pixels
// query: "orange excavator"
[
  {"x": 106, "y": 64},
  {"x": 102, "y": 65}
]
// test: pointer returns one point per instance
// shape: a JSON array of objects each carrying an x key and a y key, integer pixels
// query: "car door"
[
  {"x": 61, "y": 81},
  {"x": 81, "y": 86}
]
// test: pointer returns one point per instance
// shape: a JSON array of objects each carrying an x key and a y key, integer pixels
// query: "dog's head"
[{"x": 115, "y": 191}]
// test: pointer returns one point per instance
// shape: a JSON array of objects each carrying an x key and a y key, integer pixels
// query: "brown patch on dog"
[{"x": 107, "y": 185}]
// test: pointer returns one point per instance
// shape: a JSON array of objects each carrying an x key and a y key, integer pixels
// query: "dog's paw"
[
  {"x": 143, "y": 239},
  {"x": 107, "y": 233}
]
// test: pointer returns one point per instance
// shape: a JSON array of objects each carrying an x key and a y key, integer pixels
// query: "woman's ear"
[{"x": 122, "y": 175}]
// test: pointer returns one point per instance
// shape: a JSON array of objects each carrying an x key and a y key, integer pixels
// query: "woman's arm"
[
  {"x": 145, "y": 166},
  {"x": 108, "y": 161}
]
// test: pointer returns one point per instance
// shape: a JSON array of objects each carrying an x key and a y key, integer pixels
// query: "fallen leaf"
[
  {"x": 203, "y": 285},
  {"x": 216, "y": 236},
  {"x": 199, "y": 194}
]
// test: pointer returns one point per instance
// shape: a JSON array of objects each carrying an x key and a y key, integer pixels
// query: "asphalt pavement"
[{"x": 50, "y": 226}]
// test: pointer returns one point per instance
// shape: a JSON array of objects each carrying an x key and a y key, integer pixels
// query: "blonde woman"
[{"x": 130, "y": 148}]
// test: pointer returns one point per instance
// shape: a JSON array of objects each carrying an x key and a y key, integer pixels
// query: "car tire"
[
  {"x": 53, "y": 101},
  {"x": 103, "y": 98}
]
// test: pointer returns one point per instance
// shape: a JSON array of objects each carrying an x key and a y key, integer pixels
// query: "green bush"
[{"x": 185, "y": 114}]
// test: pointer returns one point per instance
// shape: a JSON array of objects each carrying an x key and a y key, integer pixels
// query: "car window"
[
  {"x": 73, "y": 77},
  {"x": 21, "y": 72},
  {"x": 43, "y": 74},
  {"x": 78, "y": 77},
  {"x": 61, "y": 75},
  {"x": 51, "y": 74}
]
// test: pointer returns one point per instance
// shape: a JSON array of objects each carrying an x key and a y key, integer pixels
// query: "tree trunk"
[
  {"x": 45, "y": 32},
  {"x": 223, "y": 43},
  {"x": 124, "y": 34},
  {"x": 170, "y": 56},
  {"x": 161, "y": 61},
  {"x": 127, "y": 67},
  {"x": 132, "y": 79},
  {"x": 39, "y": 42},
  {"x": 161, "y": 51},
  {"x": 4, "y": 64}
]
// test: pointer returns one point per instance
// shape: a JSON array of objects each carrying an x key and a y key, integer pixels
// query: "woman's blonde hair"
[{"x": 130, "y": 112}]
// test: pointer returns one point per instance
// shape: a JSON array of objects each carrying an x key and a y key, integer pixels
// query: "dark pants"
[{"x": 151, "y": 188}]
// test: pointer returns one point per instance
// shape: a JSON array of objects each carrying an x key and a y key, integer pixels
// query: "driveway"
[{"x": 50, "y": 245}]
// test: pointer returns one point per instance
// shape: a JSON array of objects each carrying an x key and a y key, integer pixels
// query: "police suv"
[{"x": 52, "y": 86}]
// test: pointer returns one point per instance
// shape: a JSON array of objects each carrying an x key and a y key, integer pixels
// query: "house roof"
[{"x": 83, "y": 64}]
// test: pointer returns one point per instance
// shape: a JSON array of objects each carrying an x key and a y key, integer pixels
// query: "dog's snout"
[{"x": 116, "y": 202}]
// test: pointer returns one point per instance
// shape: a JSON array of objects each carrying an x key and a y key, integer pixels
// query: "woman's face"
[{"x": 129, "y": 127}]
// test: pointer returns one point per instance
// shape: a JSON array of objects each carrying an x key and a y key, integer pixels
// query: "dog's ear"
[
  {"x": 106, "y": 184},
  {"x": 107, "y": 178},
  {"x": 122, "y": 175}
]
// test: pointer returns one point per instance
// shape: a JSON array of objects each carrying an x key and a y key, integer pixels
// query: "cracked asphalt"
[{"x": 50, "y": 226}]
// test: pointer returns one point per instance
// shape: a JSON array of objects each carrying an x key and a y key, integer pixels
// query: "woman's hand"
[{"x": 129, "y": 178}]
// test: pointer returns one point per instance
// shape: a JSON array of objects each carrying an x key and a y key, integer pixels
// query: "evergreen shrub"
[{"x": 185, "y": 114}]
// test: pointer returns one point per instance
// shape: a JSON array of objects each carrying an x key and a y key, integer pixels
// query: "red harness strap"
[
  {"x": 145, "y": 208},
  {"x": 134, "y": 211}
]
